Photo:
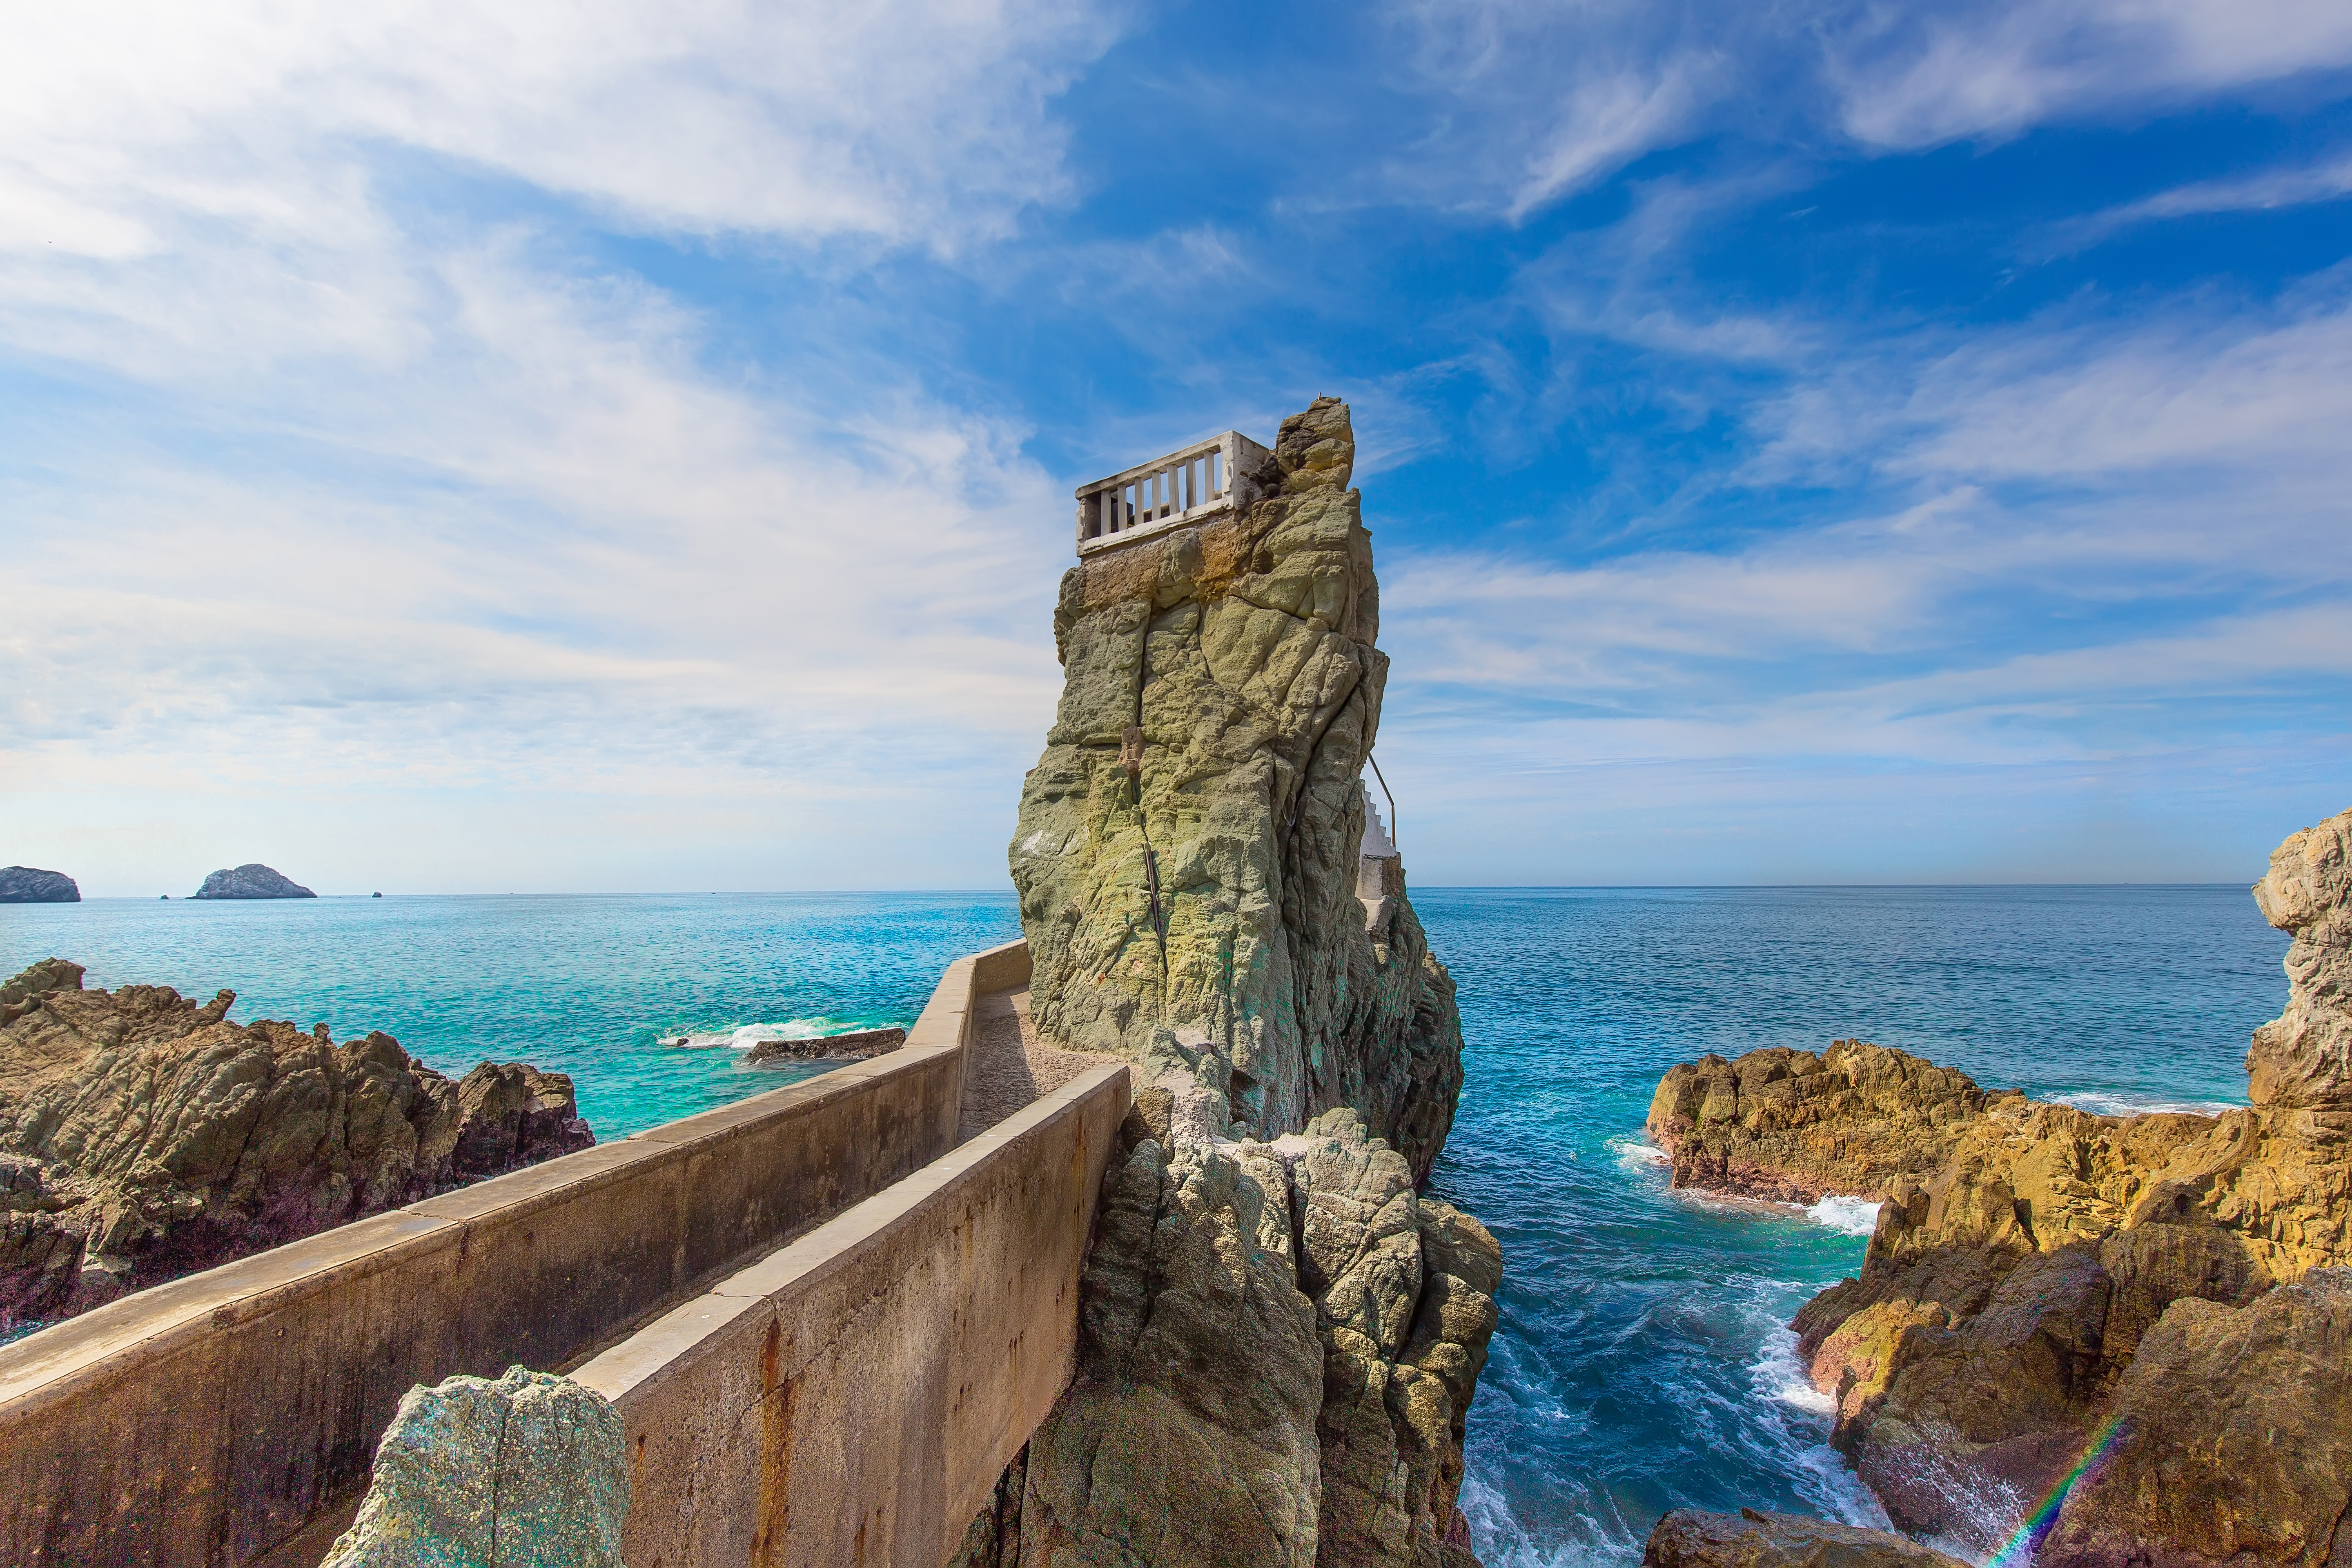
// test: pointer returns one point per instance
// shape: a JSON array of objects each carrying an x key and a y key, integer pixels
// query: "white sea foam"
[
  {"x": 1850, "y": 1217},
  {"x": 743, "y": 1037},
  {"x": 1501, "y": 1542},
  {"x": 1780, "y": 1375},
  {"x": 2105, "y": 1103},
  {"x": 1637, "y": 1154}
]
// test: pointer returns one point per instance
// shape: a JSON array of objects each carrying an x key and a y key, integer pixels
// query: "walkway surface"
[{"x": 1007, "y": 1067}]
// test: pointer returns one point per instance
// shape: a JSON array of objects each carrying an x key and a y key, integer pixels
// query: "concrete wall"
[
  {"x": 231, "y": 1415},
  {"x": 852, "y": 1398}
]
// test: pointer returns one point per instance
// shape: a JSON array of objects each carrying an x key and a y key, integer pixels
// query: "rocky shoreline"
[
  {"x": 144, "y": 1136},
  {"x": 2146, "y": 1321}
]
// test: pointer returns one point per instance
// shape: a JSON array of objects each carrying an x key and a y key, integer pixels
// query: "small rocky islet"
[
  {"x": 251, "y": 880},
  {"x": 144, "y": 1136},
  {"x": 31, "y": 885},
  {"x": 2137, "y": 1331}
]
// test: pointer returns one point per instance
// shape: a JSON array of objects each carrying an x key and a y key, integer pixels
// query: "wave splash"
[{"x": 743, "y": 1037}]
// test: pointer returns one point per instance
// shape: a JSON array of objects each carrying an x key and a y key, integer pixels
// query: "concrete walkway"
[{"x": 1007, "y": 1067}]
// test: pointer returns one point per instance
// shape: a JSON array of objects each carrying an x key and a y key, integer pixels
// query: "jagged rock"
[
  {"x": 1279, "y": 1336},
  {"x": 850, "y": 1047},
  {"x": 1278, "y": 1347},
  {"x": 1752, "y": 1539},
  {"x": 1187, "y": 1436},
  {"x": 1199, "y": 915},
  {"x": 1796, "y": 1127},
  {"x": 529, "y": 1471},
  {"x": 2054, "y": 1268},
  {"x": 143, "y": 1136},
  {"x": 29, "y": 885},
  {"x": 2234, "y": 1440},
  {"x": 252, "y": 880}
]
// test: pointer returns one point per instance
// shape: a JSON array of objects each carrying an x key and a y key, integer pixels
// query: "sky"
[{"x": 609, "y": 448}]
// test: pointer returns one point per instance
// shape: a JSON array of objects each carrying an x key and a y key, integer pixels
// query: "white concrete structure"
[
  {"x": 1380, "y": 869},
  {"x": 1189, "y": 485}
]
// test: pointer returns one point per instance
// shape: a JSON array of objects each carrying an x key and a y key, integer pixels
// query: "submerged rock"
[
  {"x": 527, "y": 1471},
  {"x": 1752, "y": 1539},
  {"x": 143, "y": 1136},
  {"x": 1279, "y": 1335},
  {"x": 850, "y": 1047},
  {"x": 2039, "y": 1275},
  {"x": 251, "y": 880},
  {"x": 29, "y": 885}
]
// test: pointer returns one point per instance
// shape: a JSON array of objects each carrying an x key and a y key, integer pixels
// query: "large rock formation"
[
  {"x": 1279, "y": 1334},
  {"x": 1187, "y": 850},
  {"x": 2046, "y": 1286},
  {"x": 529, "y": 1471},
  {"x": 252, "y": 880},
  {"x": 29, "y": 885},
  {"x": 1753, "y": 1539},
  {"x": 143, "y": 1136}
]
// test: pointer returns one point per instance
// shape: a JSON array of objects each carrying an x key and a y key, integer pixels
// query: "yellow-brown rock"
[{"x": 2038, "y": 1272}]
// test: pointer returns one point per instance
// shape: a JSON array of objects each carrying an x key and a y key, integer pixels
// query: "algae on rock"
[
  {"x": 1279, "y": 1335},
  {"x": 1199, "y": 913}
]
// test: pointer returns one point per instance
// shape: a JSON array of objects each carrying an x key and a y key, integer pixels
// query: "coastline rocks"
[
  {"x": 29, "y": 885},
  {"x": 1795, "y": 1127},
  {"x": 530, "y": 1470},
  {"x": 251, "y": 880},
  {"x": 1753, "y": 1539},
  {"x": 2254, "y": 1403},
  {"x": 2057, "y": 1272},
  {"x": 143, "y": 1136},
  {"x": 850, "y": 1047}
]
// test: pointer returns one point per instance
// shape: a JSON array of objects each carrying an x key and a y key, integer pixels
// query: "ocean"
[{"x": 1640, "y": 1363}]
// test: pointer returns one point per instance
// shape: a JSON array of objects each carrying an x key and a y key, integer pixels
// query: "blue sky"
[{"x": 614, "y": 448}]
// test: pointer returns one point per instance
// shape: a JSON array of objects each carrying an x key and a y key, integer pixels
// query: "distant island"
[
  {"x": 252, "y": 880},
  {"x": 29, "y": 885}
]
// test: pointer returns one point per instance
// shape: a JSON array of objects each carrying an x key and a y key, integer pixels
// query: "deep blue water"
[{"x": 1640, "y": 1364}]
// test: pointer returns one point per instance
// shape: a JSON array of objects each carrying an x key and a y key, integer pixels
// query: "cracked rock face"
[
  {"x": 1278, "y": 1345},
  {"x": 1279, "y": 1334},
  {"x": 2038, "y": 1273},
  {"x": 143, "y": 1136},
  {"x": 1199, "y": 913},
  {"x": 530, "y": 1470}
]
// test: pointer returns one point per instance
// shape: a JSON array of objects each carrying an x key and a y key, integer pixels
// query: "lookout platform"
[{"x": 1191, "y": 484}]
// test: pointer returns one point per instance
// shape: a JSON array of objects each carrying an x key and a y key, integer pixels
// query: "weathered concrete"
[
  {"x": 854, "y": 1397},
  {"x": 223, "y": 1416}
]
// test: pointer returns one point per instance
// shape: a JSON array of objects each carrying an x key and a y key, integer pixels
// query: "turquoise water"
[{"x": 1640, "y": 1364}]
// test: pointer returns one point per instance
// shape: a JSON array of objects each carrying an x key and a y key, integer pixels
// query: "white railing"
[{"x": 1186, "y": 486}]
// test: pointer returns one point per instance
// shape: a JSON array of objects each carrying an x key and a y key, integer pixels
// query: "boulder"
[
  {"x": 529, "y": 1471},
  {"x": 252, "y": 880},
  {"x": 1753, "y": 1539},
  {"x": 143, "y": 1136},
  {"x": 29, "y": 885},
  {"x": 2231, "y": 1440}
]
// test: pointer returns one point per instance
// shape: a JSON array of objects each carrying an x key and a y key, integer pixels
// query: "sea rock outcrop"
[
  {"x": 856, "y": 1046},
  {"x": 2045, "y": 1286},
  {"x": 30, "y": 885},
  {"x": 1187, "y": 853},
  {"x": 1280, "y": 1334},
  {"x": 530, "y": 1470},
  {"x": 1753, "y": 1539},
  {"x": 1795, "y": 1127},
  {"x": 143, "y": 1136},
  {"x": 251, "y": 880}
]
